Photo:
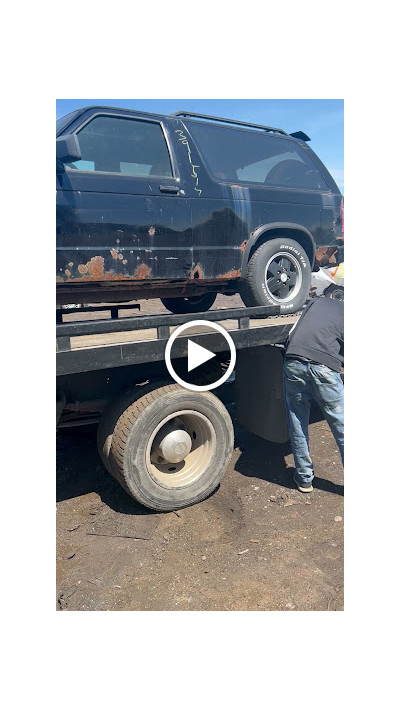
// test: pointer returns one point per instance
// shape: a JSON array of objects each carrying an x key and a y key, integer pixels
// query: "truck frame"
[{"x": 168, "y": 447}]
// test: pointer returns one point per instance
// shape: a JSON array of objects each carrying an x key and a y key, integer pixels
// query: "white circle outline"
[{"x": 209, "y": 324}]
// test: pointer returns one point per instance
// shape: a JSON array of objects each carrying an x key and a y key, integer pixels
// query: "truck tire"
[
  {"x": 279, "y": 274},
  {"x": 189, "y": 304},
  {"x": 169, "y": 447},
  {"x": 109, "y": 418}
]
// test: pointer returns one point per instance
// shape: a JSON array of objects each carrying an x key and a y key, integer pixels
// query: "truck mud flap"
[{"x": 260, "y": 405}]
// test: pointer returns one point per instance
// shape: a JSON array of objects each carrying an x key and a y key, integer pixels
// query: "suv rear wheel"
[
  {"x": 279, "y": 274},
  {"x": 189, "y": 304}
]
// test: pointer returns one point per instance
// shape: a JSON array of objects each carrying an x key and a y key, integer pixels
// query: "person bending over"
[{"x": 311, "y": 371}]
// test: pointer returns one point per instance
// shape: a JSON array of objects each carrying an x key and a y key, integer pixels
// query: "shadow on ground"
[
  {"x": 266, "y": 460},
  {"x": 79, "y": 471}
]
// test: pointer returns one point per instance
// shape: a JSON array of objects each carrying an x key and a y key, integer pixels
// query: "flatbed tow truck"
[{"x": 168, "y": 446}]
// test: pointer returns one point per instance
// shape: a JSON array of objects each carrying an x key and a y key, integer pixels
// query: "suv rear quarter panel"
[{"x": 226, "y": 215}]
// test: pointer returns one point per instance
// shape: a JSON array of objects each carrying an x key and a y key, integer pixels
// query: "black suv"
[{"x": 186, "y": 206}]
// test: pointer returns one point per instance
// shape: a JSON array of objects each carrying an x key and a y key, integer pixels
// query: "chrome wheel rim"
[
  {"x": 337, "y": 294},
  {"x": 283, "y": 277},
  {"x": 187, "y": 437}
]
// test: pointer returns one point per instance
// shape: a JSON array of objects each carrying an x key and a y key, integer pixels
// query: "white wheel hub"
[
  {"x": 180, "y": 448},
  {"x": 172, "y": 442}
]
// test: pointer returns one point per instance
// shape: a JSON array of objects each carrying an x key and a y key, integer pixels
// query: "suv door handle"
[{"x": 169, "y": 189}]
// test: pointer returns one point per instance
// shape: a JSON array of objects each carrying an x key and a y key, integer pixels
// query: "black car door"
[{"x": 121, "y": 212}]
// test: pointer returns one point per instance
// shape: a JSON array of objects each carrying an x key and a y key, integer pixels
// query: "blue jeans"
[{"x": 303, "y": 382}]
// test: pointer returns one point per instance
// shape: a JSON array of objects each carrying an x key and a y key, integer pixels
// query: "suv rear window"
[
  {"x": 115, "y": 144},
  {"x": 234, "y": 155}
]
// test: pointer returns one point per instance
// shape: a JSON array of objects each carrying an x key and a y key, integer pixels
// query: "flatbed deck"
[{"x": 95, "y": 344}]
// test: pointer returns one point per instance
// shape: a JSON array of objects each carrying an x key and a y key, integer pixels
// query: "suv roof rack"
[{"x": 189, "y": 114}]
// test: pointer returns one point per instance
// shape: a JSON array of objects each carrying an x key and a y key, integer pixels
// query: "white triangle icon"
[{"x": 197, "y": 355}]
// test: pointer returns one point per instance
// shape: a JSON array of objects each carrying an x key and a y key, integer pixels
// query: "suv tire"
[
  {"x": 189, "y": 304},
  {"x": 279, "y": 274}
]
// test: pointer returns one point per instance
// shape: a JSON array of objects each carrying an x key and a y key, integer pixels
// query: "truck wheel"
[
  {"x": 109, "y": 418},
  {"x": 278, "y": 273},
  {"x": 169, "y": 447},
  {"x": 335, "y": 292},
  {"x": 189, "y": 304}
]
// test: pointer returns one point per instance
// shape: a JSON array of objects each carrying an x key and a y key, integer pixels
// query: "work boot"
[{"x": 304, "y": 487}]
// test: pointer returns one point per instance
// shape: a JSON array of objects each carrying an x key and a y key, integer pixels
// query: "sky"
[{"x": 320, "y": 119}]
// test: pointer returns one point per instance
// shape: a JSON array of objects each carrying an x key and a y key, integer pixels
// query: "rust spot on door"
[
  {"x": 142, "y": 272},
  {"x": 111, "y": 276},
  {"x": 114, "y": 253},
  {"x": 196, "y": 272},
  {"x": 96, "y": 267},
  {"x": 233, "y": 274},
  {"x": 152, "y": 231},
  {"x": 94, "y": 271}
]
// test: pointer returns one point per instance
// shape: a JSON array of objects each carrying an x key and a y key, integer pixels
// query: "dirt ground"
[{"x": 255, "y": 544}]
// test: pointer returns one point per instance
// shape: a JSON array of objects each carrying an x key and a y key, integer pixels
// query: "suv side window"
[
  {"x": 235, "y": 155},
  {"x": 127, "y": 146}
]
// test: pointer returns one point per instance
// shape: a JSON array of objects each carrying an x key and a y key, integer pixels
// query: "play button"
[
  {"x": 200, "y": 355},
  {"x": 197, "y": 355}
]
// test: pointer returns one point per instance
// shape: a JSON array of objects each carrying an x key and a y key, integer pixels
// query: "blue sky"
[{"x": 321, "y": 119}]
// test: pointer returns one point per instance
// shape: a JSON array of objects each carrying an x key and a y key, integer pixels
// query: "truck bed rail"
[{"x": 254, "y": 326}]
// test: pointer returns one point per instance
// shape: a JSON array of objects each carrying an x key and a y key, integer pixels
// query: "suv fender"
[{"x": 279, "y": 229}]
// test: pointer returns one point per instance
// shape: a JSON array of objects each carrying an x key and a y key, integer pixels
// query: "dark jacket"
[{"x": 319, "y": 333}]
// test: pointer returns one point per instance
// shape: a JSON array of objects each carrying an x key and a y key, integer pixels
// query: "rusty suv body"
[{"x": 176, "y": 206}]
